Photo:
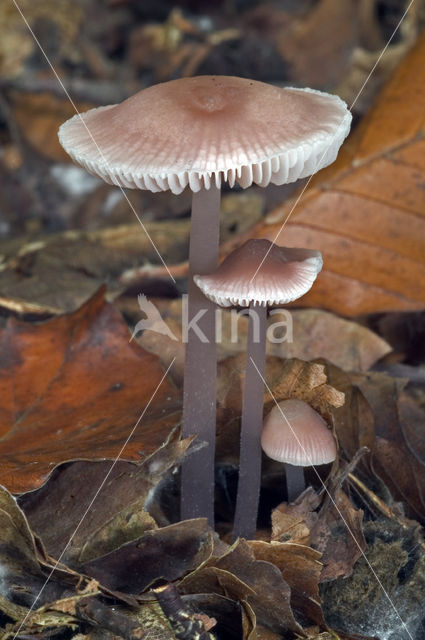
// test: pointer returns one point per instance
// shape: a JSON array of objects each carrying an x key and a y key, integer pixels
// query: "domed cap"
[
  {"x": 194, "y": 130},
  {"x": 296, "y": 434},
  {"x": 285, "y": 275}
]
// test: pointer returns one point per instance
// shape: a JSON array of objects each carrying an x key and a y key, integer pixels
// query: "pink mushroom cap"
[
  {"x": 285, "y": 275},
  {"x": 194, "y": 131},
  {"x": 296, "y": 434}
]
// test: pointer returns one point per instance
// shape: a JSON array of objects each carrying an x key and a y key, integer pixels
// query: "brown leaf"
[
  {"x": 258, "y": 582},
  {"x": 293, "y": 522},
  {"x": 305, "y": 381},
  {"x": 39, "y": 116},
  {"x": 74, "y": 387},
  {"x": 318, "y": 334},
  {"x": 307, "y": 334},
  {"x": 353, "y": 422},
  {"x": 24, "y": 567},
  {"x": 397, "y": 454},
  {"x": 161, "y": 554},
  {"x": 286, "y": 379},
  {"x": 330, "y": 30},
  {"x": 338, "y": 535},
  {"x": 120, "y": 512},
  {"x": 300, "y": 567},
  {"x": 365, "y": 212}
]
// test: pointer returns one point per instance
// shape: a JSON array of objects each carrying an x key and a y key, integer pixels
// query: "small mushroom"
[
  {"x": 297, "y": 435},
  {"x": 198, "y": 132},
  {"x": 286, "y": 274}
]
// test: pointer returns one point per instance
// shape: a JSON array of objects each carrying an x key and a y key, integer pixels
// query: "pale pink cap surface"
[
  {"x": 285, "y": 275},
  {"x": 195, "y": 131},
  {"x": 296, "y": 434}
]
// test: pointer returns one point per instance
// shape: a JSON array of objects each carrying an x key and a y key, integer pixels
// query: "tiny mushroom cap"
[
  {"x": 195, "y": 131},
  {"x": 296, "y": 434},
  {"x": 262, "y": 273}
]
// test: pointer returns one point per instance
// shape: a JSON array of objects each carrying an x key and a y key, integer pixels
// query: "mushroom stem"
[
  {"x": 200, "y": 369},
  {"x": 295, "y": 482},
  {"x": 249, "y": 481}
]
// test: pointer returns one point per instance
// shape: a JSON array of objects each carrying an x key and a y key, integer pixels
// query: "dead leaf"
[
  {"x": 301, "y": 567},
  {"x": 318, "y": 334},
  {"x": 365, "y": 212},
  {"x": 306, "y": 334},
  {"x": 17, "y": 42},
  {"x": 330, "y": 29},
  {"x": 354, "y": 421},
  {"x": 338, "y": 535},
  {"x": 39, "y": 116},
  {"x": 395, "y": 458},
  {"x": 162, "y": 554},
  {"x": 305, "y": 381},
  {"x": 242, "y": 577},
  {"x": 121, "y": 508},
  {"x": 285, "y": 378},
  {"x": 293, "y": 522},
  {"x": 74, "y": 387}
]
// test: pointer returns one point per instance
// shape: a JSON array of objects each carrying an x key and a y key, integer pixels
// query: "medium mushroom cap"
[
  {"x": 208, "y": 128},
  {"x": 296, "y": 434},
  {"x": 285, "y": 275}
]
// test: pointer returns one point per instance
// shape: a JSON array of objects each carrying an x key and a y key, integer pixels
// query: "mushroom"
[
  {"x": 196, "y": 133},
  {"x": 286, "y": 274},
  {"x": 297, "y": 435}
]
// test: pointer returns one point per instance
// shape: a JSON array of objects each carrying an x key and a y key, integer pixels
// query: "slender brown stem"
[
  {"x": 199, "y": 394},
  {"x": 252, "y": 417},
  {"x": 295, "y": 482}
]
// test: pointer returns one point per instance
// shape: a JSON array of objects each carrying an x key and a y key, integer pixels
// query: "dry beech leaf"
[
  {"x": 397, "y": 452},
  {"x": 366, "y": 211},
  {"x": 319, "y": 334},
  {"x": 333, "y": 528},
  {"x": 301, "y": 567},
  {"x": 338, "y": 535},
  {"x": 293, "y": 522},
  {"x": 314, "y": 334},
  {"x": 161, "y": 554},
  {"x": 353, "y": 422},
  {"x": 63, "y": 270},
  {"x": 332, "y": 43},
  {"x": 238, "y": 575},
  {"x": 23, "y": 562},
  {"x": 286, "y": 379},
  {"x": 39, "y": 116},
  {"x": 73, "y": 387},
  {"x": 119, "y": 516},
  {"x": 305, "y": 381}
]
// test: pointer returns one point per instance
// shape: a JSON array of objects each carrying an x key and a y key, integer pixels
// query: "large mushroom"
[
  {"x": 197, "y": 133},
  {"x": 286, "y": 274}
]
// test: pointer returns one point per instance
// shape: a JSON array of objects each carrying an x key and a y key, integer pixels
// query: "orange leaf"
[
  {"x": 73, "y": 387},
  {"x": 366, "y": 212}
]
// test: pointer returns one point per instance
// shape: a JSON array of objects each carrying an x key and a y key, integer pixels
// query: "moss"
[{"x": 385, "y": 591}]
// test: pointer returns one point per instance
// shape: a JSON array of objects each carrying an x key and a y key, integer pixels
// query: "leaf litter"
[
  {"x": 71, "y": 388},
  {"x": 128, "y": 543}
]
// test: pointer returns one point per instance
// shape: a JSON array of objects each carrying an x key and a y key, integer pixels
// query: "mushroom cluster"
[
  {"x": 285, "y": 275},
  {"x": 197, "y": 133}
]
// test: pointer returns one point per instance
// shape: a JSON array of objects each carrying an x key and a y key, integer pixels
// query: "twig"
[
  {"x": 95, "y": 91},
  {"x": 98, "y": 614},
  {"x": 185, "y": 624}
]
